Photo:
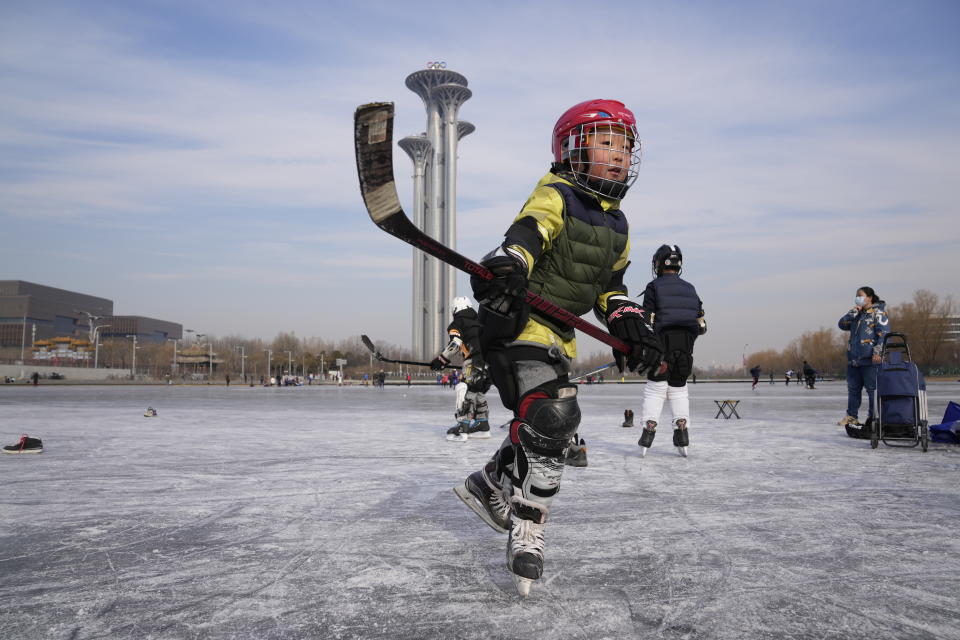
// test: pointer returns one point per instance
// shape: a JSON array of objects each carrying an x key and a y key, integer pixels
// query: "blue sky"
[{"x": 193, "y": 161}]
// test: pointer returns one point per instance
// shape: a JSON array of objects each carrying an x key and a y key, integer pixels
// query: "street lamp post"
[
  {"x": 289, "y": 362},
  {"x": 243, "y": 357},
  {"x": 269, "y": 357},
  {"x": 96, "y": 344},
  {"x": 209, "y": 354},
  {"x": 133, "y": 368},
  {"x": 173, "y": 368}
]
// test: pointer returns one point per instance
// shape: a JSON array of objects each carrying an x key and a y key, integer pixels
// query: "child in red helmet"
[{"x": 569, "y": 245}]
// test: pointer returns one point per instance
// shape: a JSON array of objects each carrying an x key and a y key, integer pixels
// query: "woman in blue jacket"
[{"x": 867, "y": 323}]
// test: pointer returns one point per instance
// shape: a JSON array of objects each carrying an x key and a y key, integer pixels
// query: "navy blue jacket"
[
  {"x": 672, "y": 302},
  {"x": 867, "y": 329}
]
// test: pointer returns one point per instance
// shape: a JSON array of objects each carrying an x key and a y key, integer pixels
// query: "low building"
[
  {"x": 31, "y": 312},
  {"x": 146, "y": 329}
]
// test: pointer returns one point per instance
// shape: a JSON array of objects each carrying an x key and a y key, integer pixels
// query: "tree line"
[{"x": 925, "y": 320}]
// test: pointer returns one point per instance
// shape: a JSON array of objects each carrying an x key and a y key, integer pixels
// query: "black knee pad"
[{"x": 547, "y": 418}]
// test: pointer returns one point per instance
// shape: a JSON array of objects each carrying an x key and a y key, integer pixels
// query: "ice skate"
[
  {"x": 576, "y": 454},
  {"x": 150, "y": 413},
  {"x": 478, "y": 429},
  {"x": 485, "y": 499},
  {"x": 646, "y": 437},
  {"x": 525, "y": 554},
  {"x": 627, "y": 418},
  {"x": 458, "y": 433},
  {"x": 681, "y": 438}
]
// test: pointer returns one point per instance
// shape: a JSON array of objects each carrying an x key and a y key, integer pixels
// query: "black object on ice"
[{"x": 26, "y": 445}]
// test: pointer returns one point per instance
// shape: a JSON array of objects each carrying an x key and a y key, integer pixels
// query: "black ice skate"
[
  {"x": 485, "y": 499},
  {"x": 26, "y": 445},
  {"x": 458, "y": 432},
  {"x": 576, "y": 454},
  {"x": 525, "y": 553},
  {"x": 478, "y": 429},
  {"x": 681, "y": 437},
  {"x": 627, "y": 418},
  {"x": 647, "y": 436}
]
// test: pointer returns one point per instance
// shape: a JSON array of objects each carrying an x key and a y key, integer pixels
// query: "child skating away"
[
  {"x": 471, "y": 411},
  {"x": 678, "y": 319},
  {"x": 569, "y": 245},
  {"x": 755, "y": 374}
]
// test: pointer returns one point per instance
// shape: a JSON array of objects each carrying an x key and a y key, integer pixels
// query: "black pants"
[{"x": 678, "y": 354}]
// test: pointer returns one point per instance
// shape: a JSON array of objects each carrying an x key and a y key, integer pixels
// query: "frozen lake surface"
[{"x": 259, "y": 513}]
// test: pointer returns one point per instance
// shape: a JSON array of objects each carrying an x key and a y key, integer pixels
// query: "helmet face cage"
[
  {"x": 604, "y": 157},
  {"x": 667, "y": 256}
]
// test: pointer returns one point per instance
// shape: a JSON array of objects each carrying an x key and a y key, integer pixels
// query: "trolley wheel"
[
  {"x": 874, "y": 435},
  {"x": 924, "y": 438}
]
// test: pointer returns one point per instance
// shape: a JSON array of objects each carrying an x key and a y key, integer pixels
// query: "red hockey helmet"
[
  {"x": 571, "y": 141},
  {"x": 589, "y": 112}
]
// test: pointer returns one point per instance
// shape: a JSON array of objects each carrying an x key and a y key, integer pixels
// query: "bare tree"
[{"x": 925, "y": 321}]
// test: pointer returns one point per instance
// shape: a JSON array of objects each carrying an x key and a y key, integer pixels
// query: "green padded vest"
[{"x": 577, "y": 269}]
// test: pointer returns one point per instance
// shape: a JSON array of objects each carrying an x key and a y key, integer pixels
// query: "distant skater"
[
  {"x": 678, "y": 320},
  {"x": 755, "y": 372},
  {"x": 471, "y": 408},
  {"x": 809, "y": 374}
]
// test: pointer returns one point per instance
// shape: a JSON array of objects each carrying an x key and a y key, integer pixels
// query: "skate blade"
[
  {"x": 471, "y": 502},
  {"x": 643, "y": 451},
  {"x": 682, "y": 451},
  {"x": 480, "y": 435},
  {"x": 523, "y": 585},
  {"x": 457, "y": 438}
]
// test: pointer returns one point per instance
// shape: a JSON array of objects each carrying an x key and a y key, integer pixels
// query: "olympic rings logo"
[{"x": 436, "y": 65}]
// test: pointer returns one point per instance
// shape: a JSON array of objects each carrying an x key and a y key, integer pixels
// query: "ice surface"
[{"x": 328, "y": 513}]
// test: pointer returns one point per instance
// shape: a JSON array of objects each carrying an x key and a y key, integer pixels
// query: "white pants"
[{"x": 654, "y": 395}]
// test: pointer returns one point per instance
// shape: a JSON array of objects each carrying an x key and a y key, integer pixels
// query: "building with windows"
[
  {"x": 31, "y": 312},
  {"x": 146, "y": 329},
  {"x": 953, "y": 329}
]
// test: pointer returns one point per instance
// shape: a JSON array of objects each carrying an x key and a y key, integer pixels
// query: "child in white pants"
[{"x": 678, "y": 319}]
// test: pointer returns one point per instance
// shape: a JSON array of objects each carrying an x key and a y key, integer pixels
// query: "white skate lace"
[
  {"x": 526, "y": 537},
  {"x": 498, "y": 505}
]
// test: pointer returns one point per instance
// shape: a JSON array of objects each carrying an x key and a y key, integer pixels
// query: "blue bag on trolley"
[
  {"x": 949, "y": 430},
  {"x": 899, "y": 384}
]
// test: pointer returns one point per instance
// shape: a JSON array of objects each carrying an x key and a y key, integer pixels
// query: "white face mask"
[{"x": 860, "y": 301}]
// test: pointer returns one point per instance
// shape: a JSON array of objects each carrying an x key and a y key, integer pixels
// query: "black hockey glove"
[
  {"x": 506, "y": 293},
  {"x": 439, "y": 363},
  {"x": 625, "y": 321},
  {"x": 478, "y": 380}
]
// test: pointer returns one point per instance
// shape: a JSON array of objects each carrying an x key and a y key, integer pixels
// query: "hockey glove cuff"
[
  {"x": 626, "y": 321},
  {"x": 439, "y": 363},
  {"x": 506, "y": 293}
]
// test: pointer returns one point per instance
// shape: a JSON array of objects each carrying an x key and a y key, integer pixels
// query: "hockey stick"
[
  {"x": 373, "y": 139},
  {"x": 590, "y": 373},
  {"x": 379, "y": 356}
]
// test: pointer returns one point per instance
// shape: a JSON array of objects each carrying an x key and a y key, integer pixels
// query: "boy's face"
[{"x": 608, "y": 151}]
